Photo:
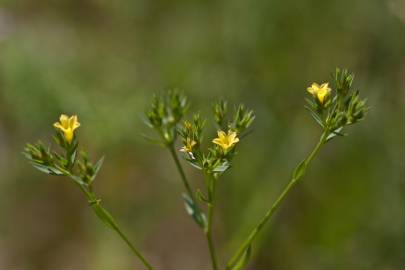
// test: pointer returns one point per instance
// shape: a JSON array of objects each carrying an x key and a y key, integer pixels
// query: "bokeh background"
[{"x": 103, "y": 60}]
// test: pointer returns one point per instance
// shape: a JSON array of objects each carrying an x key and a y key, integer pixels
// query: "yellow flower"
[
  {"x": 321, "y": 92},
  {"x": 188, "y": 147},
  {"x": 67, "y": 125},
  {"x": 226, "y": 141}
]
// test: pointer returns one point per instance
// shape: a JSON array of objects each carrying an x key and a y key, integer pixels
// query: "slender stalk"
[
  {"x": 182, "y": 173},
  {"x": 210, "y": 208},
  {"x": 276, "y": 204},
  {"x": 107, "y": 219},
  {"x": 208, "y": 231},
  {"x": 132, "y": 247}
]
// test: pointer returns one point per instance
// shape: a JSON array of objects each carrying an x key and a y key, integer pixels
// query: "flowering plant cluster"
[
  {"x": 333, "y": 110},
  {"x": 78, "y": 168},
  {"x": 213, "y": 162},
  {"x": 222, "y": 150}
]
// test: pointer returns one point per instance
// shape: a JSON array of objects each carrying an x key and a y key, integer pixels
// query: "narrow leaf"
[
  {"x": 48, "y": 169},
  {"x": 97, "y": 168},
  {"x": 243, "y": 260},
  {"x": 300, "y": 170},
  {"x": 194, "y": 212},
  {"x": 103, "y": 215},
  {"x": 77, "y": 179},
  {"x": 222, "y": 167},
  {"x": 315, "y": 116},
  {"x": 335, "y": 133},
  {"x": 201, "y": 196}
]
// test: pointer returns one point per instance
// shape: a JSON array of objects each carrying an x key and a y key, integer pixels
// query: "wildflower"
[
  {"x": 67, "y": 125},
  {"x": 320, "y": 92},
  {"x": 226, "y": 141},
  {"x": 188, "y": 147}
]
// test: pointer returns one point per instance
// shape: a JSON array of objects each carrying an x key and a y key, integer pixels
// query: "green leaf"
[
  {"x": 72, "y": 152},
  {"x": 201, "y": 196},
  {"x": 77, "y": 179},
  {"x": 42, "y": 168},
  {"x": 194, "y": 212},
  {"x": 242, "y": 261},
  {"x": 315, "y": 116},
  {"x": 310, "y": 102},
  {"x": 300, "y": 170},
  {"x": 48, "y": 169},
  {"x": 335, "y": 133},
  {"x": 97, "y": 168},
  {"x": 102, "y": 214},
  {"x": 222, "y": 167},
  {"x": 193, "y": 163},
  {"x": 146, "y": 121}
]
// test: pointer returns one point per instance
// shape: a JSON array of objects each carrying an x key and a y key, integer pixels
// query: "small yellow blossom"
[
  {"x": 321, "y": 92},
  {"x": 67, "y": 125},
  {"x": 226, "y": 141},
  {"x": 188, "y": 147}
]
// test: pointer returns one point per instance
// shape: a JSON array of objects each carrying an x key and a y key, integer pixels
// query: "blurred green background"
[{"x": 104, "y": 60}]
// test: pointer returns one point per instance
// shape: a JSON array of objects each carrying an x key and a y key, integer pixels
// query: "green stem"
[
  {"x": 210, "y": 210},
  {"x": 107, "y": 219},
  {"x": 132, "y": 247},
  {"x": 182, "y": 173},
  {"x": 208, "y": 230},
  {"x": 275, "y": 205}
]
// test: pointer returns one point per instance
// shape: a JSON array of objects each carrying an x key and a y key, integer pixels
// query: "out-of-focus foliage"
[{"x": 103, "y": 60}]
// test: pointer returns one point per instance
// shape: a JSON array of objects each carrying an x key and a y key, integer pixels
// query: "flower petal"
[
  {"x": 217, "y": 141},
  {"x": 58, "y": 125},
  {"x": 221, "y": 134},
  {"x": 64, "y": 120}
]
